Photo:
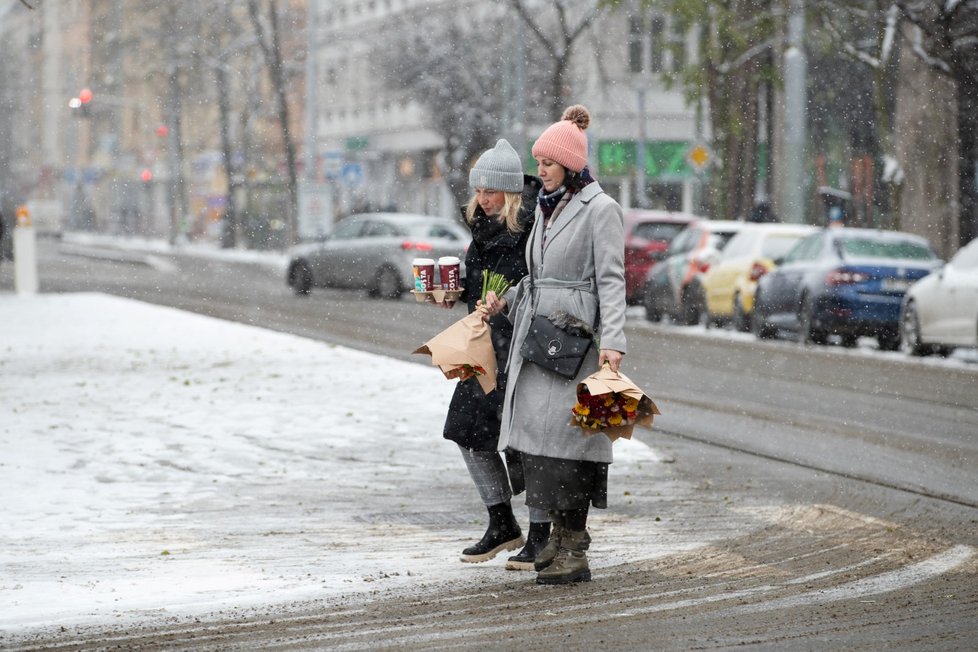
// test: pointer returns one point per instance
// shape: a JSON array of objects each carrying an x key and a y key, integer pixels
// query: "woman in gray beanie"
[{"x": 500, "y": 216}]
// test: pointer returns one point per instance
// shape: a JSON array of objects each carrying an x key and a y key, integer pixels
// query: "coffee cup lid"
[
  {"x": 423, "y": 261},
  {"x": 448, "y": 260}
]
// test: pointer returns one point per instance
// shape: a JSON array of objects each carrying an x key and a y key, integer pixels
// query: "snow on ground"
[{"x": 159, "y": 463}]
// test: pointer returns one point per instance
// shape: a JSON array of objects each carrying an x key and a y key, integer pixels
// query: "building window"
[
  {"x": 649, "y": 45},
  {"x": 657, "y": 44}
]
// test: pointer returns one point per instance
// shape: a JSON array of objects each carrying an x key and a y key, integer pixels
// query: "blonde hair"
[{"x": 509, "y": 215}]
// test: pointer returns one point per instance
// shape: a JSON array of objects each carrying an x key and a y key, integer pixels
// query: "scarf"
[
  {"x": 485, "y": 227},
  {"x": 549, "y": 202}
]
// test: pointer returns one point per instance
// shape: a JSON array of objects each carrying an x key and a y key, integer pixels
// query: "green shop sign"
[{"x": 665, "y": 160}]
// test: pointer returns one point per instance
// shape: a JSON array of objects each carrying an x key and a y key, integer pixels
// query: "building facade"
[{"x": 376, "y": 145}]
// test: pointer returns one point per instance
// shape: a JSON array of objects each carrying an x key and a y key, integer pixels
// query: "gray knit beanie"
[{"x": 498, "y": 168}]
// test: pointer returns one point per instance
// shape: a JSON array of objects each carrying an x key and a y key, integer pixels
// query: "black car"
[{"x": 843, "y": 281}]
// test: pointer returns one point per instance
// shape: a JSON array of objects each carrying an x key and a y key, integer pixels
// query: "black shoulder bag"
[{"x": 558, "y": 343}]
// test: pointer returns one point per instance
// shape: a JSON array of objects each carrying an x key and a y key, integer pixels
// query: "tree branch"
[{"x": 525, "y": 15}]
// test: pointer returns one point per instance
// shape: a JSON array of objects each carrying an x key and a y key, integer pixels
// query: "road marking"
[{"x": 894, "y": 580}]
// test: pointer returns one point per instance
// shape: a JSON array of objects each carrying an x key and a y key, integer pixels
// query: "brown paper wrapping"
[
  {"x": 605, "y": 381},
  {"x": 467, "y": 341}
]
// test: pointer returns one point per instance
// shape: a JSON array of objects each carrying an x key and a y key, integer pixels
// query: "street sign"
[
  {"x": 352, "y": 174},
  {"x": 332, "y": 163},
  {"x": 699, "y": 157},
  {"x": 315, "y": 210}
]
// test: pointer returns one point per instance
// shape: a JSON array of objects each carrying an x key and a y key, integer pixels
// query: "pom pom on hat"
[
  {"x": 564, "y": 141},
  {"x": 498, "y": 168}
]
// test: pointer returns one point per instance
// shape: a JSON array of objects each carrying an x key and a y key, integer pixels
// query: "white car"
[{"x": 940, "y": 311}]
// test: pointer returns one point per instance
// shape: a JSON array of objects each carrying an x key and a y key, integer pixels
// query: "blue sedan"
[{"x": 843, "y": 281}]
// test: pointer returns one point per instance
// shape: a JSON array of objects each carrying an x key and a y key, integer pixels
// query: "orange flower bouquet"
[
  {"x": 609, "y": 403},
  {"x": 465, "y": 371}
]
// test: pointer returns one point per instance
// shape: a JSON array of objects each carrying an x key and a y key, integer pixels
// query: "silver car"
[{"x": 373, "y": 252}]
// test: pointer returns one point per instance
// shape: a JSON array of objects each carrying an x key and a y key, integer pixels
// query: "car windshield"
[
  {"x": 428, "y": 230},
  {"x": 657, "y": 230},
  {"x": 719, "y": 240},
  {"x": 872, "y": 248},
  {"x": 777, "y": 246}
]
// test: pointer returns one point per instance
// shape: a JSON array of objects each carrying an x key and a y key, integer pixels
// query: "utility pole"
[
  {"x": 315, "y": 199},
  {"x": 312, "y": 90},
  {"x": 644, "y": 73},
  {"x": 795, "y": 117}
]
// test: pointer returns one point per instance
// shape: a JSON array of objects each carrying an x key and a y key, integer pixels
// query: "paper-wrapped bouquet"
[
  {"x": 464, "y": 350},
  {"x": 611, "y": 404}
]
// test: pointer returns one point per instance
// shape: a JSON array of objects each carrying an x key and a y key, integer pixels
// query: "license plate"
[{"x": 895, "y": 284}]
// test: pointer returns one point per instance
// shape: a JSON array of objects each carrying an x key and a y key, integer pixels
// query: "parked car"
[
  {"x": 668, "y": 288},
  {"x": 729, "y": 284},
  {"x": 373, "y": 251},
  {"x": 940, "y": 311},
  {"x": 844, "y": 281},
  {"x": 647, "y": 236}
]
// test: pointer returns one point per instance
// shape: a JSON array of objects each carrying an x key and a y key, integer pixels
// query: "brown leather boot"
[
  {"x": 570, "y": 563},
  {"x": 546, "y": 556}
]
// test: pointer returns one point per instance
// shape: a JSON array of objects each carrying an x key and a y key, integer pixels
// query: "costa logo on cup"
[
  {"x": 448, "y": 268},
  {"x": 424, "y": 274}
]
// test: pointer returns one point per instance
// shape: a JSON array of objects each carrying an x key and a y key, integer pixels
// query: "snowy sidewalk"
[{"x": 158, "y": 463}]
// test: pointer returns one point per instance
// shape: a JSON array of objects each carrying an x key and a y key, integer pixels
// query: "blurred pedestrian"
[
  {"x": 763, "y": 213},
  {"x": 499, "y": 215},
  {"x": 576, "y": 260}
]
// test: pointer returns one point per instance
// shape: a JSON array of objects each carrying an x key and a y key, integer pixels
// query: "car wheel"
[
  {"x": 300, "y": 278},
  {"x": 807, "y": 332},
  {"x": 652, "y": 311},
  {"x": 741, "y": 322},
  {"x": 889, "y": 340},
  {"x": 910, "y": 332},
  {"x": 849, "y": 341},
  {"x": 943, "y": 351},
  {"x": 387, "y": 283},
  {"x": 758, "y": 325},
  {"x": 693, "y": 308}
]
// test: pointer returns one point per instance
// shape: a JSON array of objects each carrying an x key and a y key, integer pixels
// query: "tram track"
[{"x": 921, "y": 492}]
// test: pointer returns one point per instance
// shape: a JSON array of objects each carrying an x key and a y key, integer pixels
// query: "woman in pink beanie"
[{"x": 575, "y": 257}]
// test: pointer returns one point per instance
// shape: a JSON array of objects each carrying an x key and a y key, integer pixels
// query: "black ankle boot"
[
  {"x": 536, "y": 539},
  {"x": 503, "y": 533}
]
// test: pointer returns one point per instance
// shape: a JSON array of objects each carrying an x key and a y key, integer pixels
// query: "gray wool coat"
[{"x": 581, "y": 271}]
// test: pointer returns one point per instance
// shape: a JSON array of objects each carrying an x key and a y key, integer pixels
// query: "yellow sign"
[
  {"x": 699, "y": 156},
  {"x": 23, "y": 216}
]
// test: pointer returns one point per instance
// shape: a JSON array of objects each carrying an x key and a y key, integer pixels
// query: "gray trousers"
[{"x": 488, "y": 472}]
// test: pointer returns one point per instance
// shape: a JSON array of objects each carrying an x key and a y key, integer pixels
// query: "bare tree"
[
  {"x": 176, "y": 47},
  {"x": 733, "y": 67},
  {"x": 265, "y": 20},
  {"x": 441, "y": 65},
  {"x": 557, "y": 26},
  {"x": 947, "y": 41},
  {"x": 866, "y": 33},
  {"x": 224, "y": 41}
]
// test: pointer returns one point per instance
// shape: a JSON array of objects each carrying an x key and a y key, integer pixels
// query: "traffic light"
[{"x": 81, "y": 105}]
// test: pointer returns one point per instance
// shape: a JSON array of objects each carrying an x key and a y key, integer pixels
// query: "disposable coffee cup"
[
  {"x": 448, "y": 268},
  {"x": 424, "y": 274}
]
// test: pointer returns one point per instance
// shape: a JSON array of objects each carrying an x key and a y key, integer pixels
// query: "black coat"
[{"x": 473, "y": 415}]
